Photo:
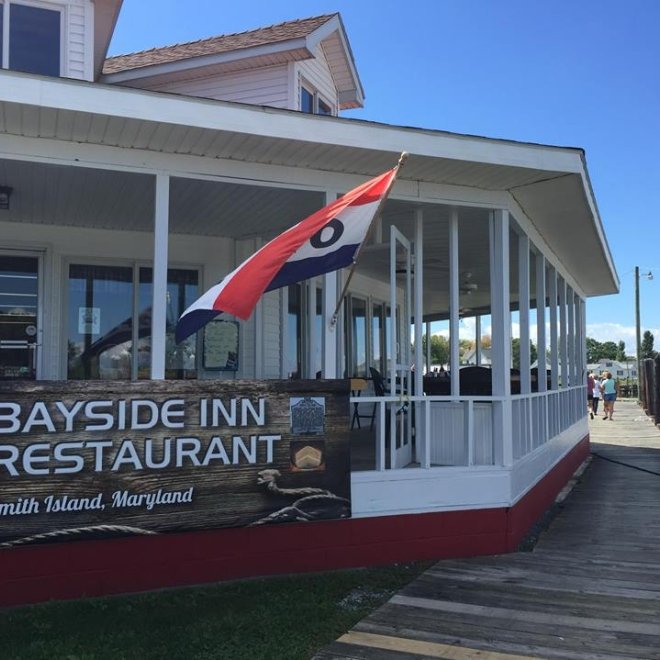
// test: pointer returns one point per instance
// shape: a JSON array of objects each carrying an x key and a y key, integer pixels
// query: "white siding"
[
  {"x": 75, "y": 60},
  {"x": 317, "y": 74},
  {"x": 263, "y": 86},
  {"x": 272, "y": 319}
]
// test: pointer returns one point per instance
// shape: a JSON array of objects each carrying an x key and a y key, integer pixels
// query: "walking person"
[
  {"x": 609, "y": 395},
  {"x": 590, "y": 394},
  {"x": 596, "y": 395}
]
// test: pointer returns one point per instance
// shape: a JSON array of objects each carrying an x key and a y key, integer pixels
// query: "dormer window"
[
  {"x": 30, "y": 37},
  {"x": 312, "y": 102},
  {"x": 323, "y": 107},
  {"x": 306, "y": 100}
]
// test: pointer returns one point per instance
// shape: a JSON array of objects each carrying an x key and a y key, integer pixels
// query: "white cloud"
[{"x": 617, "y": 332}]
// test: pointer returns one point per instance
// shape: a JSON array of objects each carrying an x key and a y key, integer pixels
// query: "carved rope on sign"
[{"x": 77, "y": 531}]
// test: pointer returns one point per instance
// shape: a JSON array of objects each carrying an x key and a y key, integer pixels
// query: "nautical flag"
[{"x": 325, "y": 241}]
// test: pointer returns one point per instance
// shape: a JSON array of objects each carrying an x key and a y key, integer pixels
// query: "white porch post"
[
  {"x": 419, "y": 300},
  {"x": 477, "y": 339},
  {"x": 563, "y": 329},
  {"x": 159, "y": 300},
  {"x": 501, "y": 336},
  {"x": 330, "y": 333},
  {"x": 453, "y": 303},
  {"x": 554, "y": 351},
  {"x": 312, "y": 340},
  {"x": 523, "y": 313},
  {"x": 570, "y": 308},
  {"x": 540, "y": 322},
  {"x": 418, "y": 269},
  {"x": 583, "y": 339},
  {"x": 259, "y": 328},
  {"x": 428, "y": 347}
]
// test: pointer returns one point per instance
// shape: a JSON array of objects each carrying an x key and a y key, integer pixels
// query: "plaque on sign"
[{"x": 307, "y": 415}]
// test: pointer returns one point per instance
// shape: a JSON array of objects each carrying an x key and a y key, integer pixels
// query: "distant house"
[
  {"x": 470, "y": 357},
  {"x": 620, "y": 370}
]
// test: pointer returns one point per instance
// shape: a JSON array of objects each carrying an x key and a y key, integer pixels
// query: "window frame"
[
  {"x": 317, "y": 98},
  {"x": 135, "y": 265}
]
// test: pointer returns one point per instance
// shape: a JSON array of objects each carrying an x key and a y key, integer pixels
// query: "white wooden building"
[{"x": 137, "y": 182}]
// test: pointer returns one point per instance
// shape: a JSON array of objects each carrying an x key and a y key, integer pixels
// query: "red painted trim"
[
  {"x": 95, "y": 568},
  {"x": 540, "y": 498}
]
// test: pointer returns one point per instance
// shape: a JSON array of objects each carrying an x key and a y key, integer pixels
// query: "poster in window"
[
  {"x": 89, "y": 320},
  {"x": 221, "y": 346}
]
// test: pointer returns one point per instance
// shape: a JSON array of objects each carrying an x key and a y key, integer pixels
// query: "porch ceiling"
[{"x": 549, "y": 183}]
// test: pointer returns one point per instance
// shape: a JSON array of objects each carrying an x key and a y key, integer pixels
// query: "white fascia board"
[
  {"x": 110, "y": 101},
  {"x": 591, "y": 202},
  {"x": 204, "y": 61},
  {"x": 356, "y": 95}
]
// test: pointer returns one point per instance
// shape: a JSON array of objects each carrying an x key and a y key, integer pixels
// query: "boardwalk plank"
[{"x": 589, "y": 590}]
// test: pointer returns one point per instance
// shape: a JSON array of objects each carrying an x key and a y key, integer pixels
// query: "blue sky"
[{"x": 580, "y": 73}]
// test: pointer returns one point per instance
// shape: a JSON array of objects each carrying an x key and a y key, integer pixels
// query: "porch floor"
[{"x": 590, "y": 588}]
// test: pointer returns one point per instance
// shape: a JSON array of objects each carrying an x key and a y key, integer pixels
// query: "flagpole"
[{"x": 402, "y": 161}]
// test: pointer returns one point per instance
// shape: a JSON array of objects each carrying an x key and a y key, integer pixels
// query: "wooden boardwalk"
[{"x": 590, "y": 588}]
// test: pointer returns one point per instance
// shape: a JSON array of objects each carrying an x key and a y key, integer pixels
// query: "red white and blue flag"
[{"x": 327, "y": 240}]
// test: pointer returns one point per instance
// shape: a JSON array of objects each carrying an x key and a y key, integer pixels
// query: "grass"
[{"x": 284, "y": 617}]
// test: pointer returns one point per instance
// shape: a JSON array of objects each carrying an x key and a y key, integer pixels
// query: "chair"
[
  {"x": 357, "y": 386},
  {"x": 381, "y": 389}
]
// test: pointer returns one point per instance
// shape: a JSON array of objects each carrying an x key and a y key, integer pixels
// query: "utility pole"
[{"x": 638, "y": 328}]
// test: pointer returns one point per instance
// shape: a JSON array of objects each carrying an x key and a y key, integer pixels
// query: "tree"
[
  {"x": 515, "y": 352},
  {"x": 439, "y": 349},
  {"x": 609, "y": 349},
  {"x": 594, "y": 350},
  {"x": 621, "y": 352},
  {"x": 647, "y": 346}
]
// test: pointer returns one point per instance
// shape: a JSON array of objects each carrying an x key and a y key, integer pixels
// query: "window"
[
  {"x": 100, "y": 322},
  {"x": 34, "y": 38},
  {"x": 358, "y": 337},
  {"x": 619, "y": 372},
  {"x": 306, "y": 100},
  {"x": 180, "y": 360},
  {"x": 324, "y": 108},
  {"x": 312, "y": 103},
  {"x": 104, "y": 341},
  {"x": 367, "y": 336}
]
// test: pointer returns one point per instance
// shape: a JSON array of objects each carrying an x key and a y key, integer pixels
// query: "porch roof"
[{"x": 549, "y": 184}]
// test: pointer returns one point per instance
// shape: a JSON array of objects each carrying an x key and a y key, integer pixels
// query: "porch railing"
[{"x": 461, "y": 431}]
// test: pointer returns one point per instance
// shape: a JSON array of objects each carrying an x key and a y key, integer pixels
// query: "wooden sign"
[{"x": 96, "y": 459}]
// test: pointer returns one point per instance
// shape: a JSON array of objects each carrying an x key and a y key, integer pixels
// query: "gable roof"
[
  {"x": 276, "y": 44},
  {"x": 272, "y": 34}
]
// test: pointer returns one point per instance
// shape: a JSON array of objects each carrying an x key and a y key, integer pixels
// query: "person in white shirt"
[{"x": 597, "y": 392}]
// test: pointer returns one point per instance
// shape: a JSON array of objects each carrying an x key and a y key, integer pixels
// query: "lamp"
[
  {"x": 5, "y": 194},
  {"x": 638, "y": 328}
]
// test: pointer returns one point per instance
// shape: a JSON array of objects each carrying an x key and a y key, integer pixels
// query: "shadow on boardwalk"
[{"x": 589, "y": 589}]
